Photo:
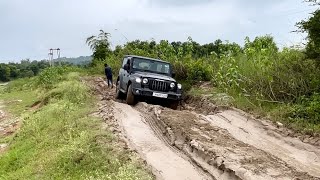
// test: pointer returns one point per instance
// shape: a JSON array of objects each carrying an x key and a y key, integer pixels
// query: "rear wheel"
[
  {"x": 174, "y": 105},
  {"x": 130, "y": 96},
  {"x": 119, "y": 94}
]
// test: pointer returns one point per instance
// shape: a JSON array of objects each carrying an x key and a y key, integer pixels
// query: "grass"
[
  {"x": 275, "y": 111},
  {"x": 17, "y": 102},
  {"x": 61, "y": 140}
]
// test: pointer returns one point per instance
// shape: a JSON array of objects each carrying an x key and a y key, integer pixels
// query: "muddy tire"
[
  {"x": 119, "y": 94},
  {"x": 174, "y": 105},
  {"x": 131, "y": 100}
]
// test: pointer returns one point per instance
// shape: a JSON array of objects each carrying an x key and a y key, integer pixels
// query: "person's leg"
[
  {"x": 111, "y": 82},
  {"x": 108, "y": 82}
]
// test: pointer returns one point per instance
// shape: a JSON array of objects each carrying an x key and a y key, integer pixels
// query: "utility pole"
[
  {"x": 50, "y": 54},
  {"x": 51, "y": 57}
]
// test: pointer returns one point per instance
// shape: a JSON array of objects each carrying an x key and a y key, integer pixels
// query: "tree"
[
  {"x": 311, "y": 26},
  {"x": 100, "y": 45},
  {"x": 314, "y": 2},
  {"x": 4, "y": 72}
]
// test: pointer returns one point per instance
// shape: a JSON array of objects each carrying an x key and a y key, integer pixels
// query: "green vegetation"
[
  {"x": 312, "y": 27},
  {"x": 25, "y": 68},
  {"x": 58, "y": 138},
  {"x": 281, "y": 84},
  {"x": 100, "y": 45}
]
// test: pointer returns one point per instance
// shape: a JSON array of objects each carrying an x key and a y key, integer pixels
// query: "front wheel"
[
  {"x": 130, "y": 96},
  {"x": 174, "y": 105}
]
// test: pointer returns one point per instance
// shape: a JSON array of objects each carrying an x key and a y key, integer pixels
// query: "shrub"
[
  {"x": 193, "y": 70},
  {"x": 52, "y": 75},
  {"x": 307, "y": 109}
]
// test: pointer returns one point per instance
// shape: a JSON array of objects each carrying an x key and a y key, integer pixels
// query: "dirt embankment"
[
  {"x": 216, "y": 141},
  {"x": 203, "y": 105}
]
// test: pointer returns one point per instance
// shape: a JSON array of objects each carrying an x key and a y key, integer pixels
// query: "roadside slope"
[{"x": 60, "y": 138}]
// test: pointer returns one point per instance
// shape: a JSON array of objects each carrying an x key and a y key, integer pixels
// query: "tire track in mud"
[
  {"x": 168, "y": 163},
  {"x": 208, "y": 144},
  {"x": 226, "y": 158},
  {"x": 304, "y": 157},
  {"x": 128, "y": 124},
  {"x": 167, "y": 135}
]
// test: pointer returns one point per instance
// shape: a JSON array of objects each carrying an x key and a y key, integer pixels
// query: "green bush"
[
  {"x": 52, "y": 75},
  {"x": 307, "y": 109},
  {"x": 74, "y": 91},
  {"x": 199, "y": 70}
]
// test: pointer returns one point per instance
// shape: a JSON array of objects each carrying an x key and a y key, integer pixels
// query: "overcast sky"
[{"x": 30, "y": 27}]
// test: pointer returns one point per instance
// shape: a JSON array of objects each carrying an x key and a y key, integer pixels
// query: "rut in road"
[{"x": 225, "y": 145}]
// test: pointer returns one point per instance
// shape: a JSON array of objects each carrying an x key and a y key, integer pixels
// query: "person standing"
[{"x": 108, "y": 72}]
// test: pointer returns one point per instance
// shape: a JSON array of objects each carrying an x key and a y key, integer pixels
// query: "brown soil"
[
  {"x": 203, "y": 105},
  {"x": 215, "y": 148},
  {"x": 205, "y": 141},
  {"x": 135, "y": 134}
]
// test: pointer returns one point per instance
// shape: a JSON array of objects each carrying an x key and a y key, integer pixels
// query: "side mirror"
[
  {"x": 126, "y": 67},
  {"x": 173, "y": 74}
]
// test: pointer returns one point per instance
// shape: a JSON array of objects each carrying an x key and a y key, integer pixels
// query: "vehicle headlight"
[
  {"x": 172, "y": 85},
  {"x": 145, "y": 81},
  {"x": 179, "y": 86},
  {"x": 138, "y": 80}
]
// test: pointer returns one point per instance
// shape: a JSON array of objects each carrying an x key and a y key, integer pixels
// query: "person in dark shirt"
[{"x": 108, "y": 73}]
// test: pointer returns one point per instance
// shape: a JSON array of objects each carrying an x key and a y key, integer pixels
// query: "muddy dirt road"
[{"x": 227, "y": 144}]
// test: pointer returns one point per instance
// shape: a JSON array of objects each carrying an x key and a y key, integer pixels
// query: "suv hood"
[{"x": 154, "y": 75}]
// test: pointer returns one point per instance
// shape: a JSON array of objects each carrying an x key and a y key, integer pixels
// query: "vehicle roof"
[{"x": 142, "y": 57}]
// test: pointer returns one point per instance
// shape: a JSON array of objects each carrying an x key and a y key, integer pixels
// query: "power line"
[{"x": 122, "y": 34}]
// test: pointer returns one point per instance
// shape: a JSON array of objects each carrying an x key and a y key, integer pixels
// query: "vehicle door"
[
  {"x": 122, "y": 74},
  {"x": 126, "y": 75}
]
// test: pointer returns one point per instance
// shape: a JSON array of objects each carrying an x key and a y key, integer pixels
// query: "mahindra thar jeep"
[{"x": 142, "y": 78}]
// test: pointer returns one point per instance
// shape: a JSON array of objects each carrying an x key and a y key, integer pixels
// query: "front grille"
[{"x": 159, "y": 85}]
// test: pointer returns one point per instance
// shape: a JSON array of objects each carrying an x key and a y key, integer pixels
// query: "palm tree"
[
  {"x": 102, "y": 39},
  {"x": 100, "y": 45}
]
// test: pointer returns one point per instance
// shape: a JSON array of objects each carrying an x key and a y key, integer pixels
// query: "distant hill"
[{"x": 82, "y": 60}]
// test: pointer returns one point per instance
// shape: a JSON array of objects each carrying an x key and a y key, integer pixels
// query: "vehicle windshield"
[{"x": 151, "y": 66}]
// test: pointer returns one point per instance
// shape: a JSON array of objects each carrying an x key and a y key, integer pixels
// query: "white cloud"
[{"x": 31, "y": 27}]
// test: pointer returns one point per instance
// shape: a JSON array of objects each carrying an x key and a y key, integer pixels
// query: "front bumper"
[{"x": 145, "y": 92}]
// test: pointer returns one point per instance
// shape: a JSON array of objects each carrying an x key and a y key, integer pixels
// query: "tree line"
[{"x": 25, "y": 68}]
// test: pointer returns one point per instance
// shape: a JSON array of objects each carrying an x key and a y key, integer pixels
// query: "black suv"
[{"x": 147, "y": 78}]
